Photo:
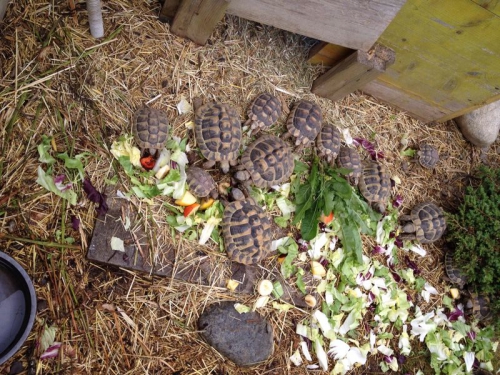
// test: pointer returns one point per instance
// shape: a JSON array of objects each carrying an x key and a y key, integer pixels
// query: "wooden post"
[
  {"x": 196, "y": 19},
  {"x": 168, "y": 10},
  {"x": 353, "y": 72}
]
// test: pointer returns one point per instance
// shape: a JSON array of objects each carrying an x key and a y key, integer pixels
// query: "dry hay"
[{"x": 57, "y": 80}]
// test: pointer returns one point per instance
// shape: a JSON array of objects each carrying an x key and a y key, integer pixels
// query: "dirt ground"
[{"x": 56, "y": 80}]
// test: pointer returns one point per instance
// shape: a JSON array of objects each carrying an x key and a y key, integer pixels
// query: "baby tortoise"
[
  {"x": 454, "y": 273},
  {"x": 304, "y": 123},
  {"x": 263, "y": 112},
  {"x": 375, "y": 185},
  {"x": 426, "y": 223},
  {"x": 246, "y": 230},
  {"x": 267, "y": 161},
  {"x": 218, "y": 133},
  {"x": 150, "y": 129},
  {"x": 328, "y": 143},
  {"x": 477, "y": 306},
  {"x": 200, "y": 182},
  {"x": 349, "y": 159},
  {"x": 428, "y": 156}
]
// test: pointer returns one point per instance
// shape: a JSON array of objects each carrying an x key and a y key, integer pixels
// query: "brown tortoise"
[
  {"x": 375, "y": 185},
  {"x": 218, "y": 133},
  {"x": 349, "y": 159},
  {"x": 304, "y": 122},
  {"x": 200, "y": 182},
  {"x": 267, "y": 161},
  {"x": 454, "y": 273},
  {"x": 263, "y": 112},
  {"x": 426, "y": 223},
  {"x": 328, "y": 143},
  {"x": 247, "y": 231},
  {"x": 477, "y": 306},
  {"x": 150, "y": 129},
  {"x": 428, "y": 156}
]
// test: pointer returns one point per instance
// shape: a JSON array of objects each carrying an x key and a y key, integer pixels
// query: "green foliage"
[
  {"x": 325, "y": 190},
  {"x": 474, "y": 231}
]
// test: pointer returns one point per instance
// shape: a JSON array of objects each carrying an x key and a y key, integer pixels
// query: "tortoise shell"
[
  {"x": 375, "y": 185},
  {"x": 247, "y": 232},
  {"x": 429, "y": 222},
  {"x": 478, "y": 306},
  {"x": 454, "y": 273},
  {"x": 200, "y": 182},
  {"x": 268, "y": 160},
  {"x": 218, "y": 132},
  {"x": 349, "y": 159},
  {"x": 304, "y": 122},
  {"x": 264, "y": 111},
  {"x": 150, "y": 129},
  {"x": 428, "y": 156},
  {"x": 328, "y": 143}
]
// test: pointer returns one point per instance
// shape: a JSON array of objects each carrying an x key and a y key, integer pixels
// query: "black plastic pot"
[{"x": 17, "y": 306}]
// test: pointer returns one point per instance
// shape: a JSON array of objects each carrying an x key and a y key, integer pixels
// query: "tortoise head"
[{"x": 379, "y": 207}]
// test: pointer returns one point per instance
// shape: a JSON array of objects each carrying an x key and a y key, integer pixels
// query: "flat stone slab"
[
  {"x": 122, "y": 221},
  {"x": 246, "y": 339}
]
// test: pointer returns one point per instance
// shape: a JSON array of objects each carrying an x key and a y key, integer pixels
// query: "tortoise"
[
  {"x": 454, "y": 273},
  {"x": 268, "y": 161},
  {"x": 263, "y": 112},
  {"x": 246, "y": 230},
  {"x": 200, "y": 182},
  {"x": 328, "y": 143},
  {"x": 304, "y": 122},
  {"x": 375, "y": 185},
  {"x": 150, "y": 129},
  {"x": 477, "y": 306},
  {"x": 218, "y": 133},
  {"x": 428, "y": 156},
  {"x": 426, "y": 223},
  {"x": 349, "y": 159}
]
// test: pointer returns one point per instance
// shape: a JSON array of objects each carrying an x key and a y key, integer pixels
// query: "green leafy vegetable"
[{"x": 47, "y": 181}]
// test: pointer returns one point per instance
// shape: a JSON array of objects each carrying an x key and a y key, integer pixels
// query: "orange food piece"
[
  {"x": 148, "y": 162},
  {"x": 206, "y": 203},
  {"x": 326, "y": 219},
  {"x": 190, "y": 210}
]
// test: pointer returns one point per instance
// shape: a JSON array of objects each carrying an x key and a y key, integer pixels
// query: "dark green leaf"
[
  {"x": 300, "y": 167},
  {"x": 300, "y": 283}
]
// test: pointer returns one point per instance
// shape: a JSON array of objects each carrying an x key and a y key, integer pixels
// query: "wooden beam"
[
  {"x": 327, "y": 54},
  {"x": 354, "y": 72},
  {"x": 169, "y": 10},
  {"x": 196, "y": 19},
  {"x": 356, "y": 24}
]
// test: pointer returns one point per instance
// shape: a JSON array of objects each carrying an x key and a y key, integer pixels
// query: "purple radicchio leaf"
[
  {"x": 378, "y": 250},
  {"x": 95, "y": 196},
  {"x": 387, "y": 358},
  {"x": 471, "y": 335},
  {"x": 323, "y": 262},
  {"x": 371, "y": 297},
  {"x": 58, "y": 181},
  {"x": 52, "y": 351},
  {"x": 401, "y": 359},
  {"x": 75, "y": 222},
  {"x": 398, "y": 201},
  {"x": 395, "y": 275},
  {"x": 368, "y": 146},
  {"x": 398, "y": 242},
  {"x": 454, "y": 315},
  {"x": 411, "y": 264}
]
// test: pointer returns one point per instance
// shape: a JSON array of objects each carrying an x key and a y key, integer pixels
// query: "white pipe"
[{"x": 95, "y": 18}]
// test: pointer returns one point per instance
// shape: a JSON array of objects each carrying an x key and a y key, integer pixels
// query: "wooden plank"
[
  {"x": 327, "y": 54},
  {"x": 491, "y": 5},
  {"x": 354, "y": 72},
  {"x": 356, "y": 24},
  {"x": 168, "y": 10},
  {"x": 448, "y": 59},
  {"x": 196, "y": 19}
]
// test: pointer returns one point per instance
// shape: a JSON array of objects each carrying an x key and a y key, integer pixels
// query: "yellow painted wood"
[
  {"x": 491, "y": 5},
  {"x": 447, "y": 57}
]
